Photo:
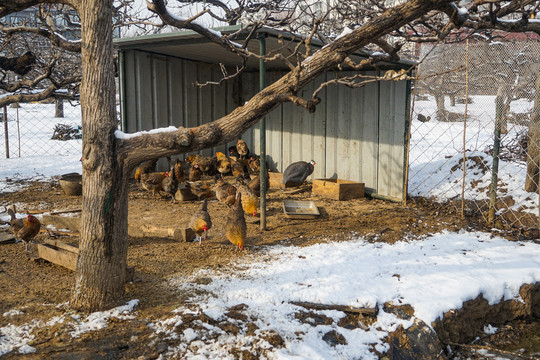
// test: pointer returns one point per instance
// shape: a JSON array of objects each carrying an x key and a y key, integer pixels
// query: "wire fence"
[
  {"x": 38, "y": 129},
  {"x": 475, "y": 130}
]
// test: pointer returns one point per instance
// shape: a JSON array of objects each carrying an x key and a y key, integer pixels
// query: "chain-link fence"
[
  {"x": 475, "y": 130},
  {"x": 37, "y": 129}
]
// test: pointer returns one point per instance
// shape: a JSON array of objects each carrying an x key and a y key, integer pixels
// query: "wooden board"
[
  {"x": 63, "y": 222},
  {"x": 338, "y": 189},
  {"x": 59, "y": 253},
  {"x": 6, "y": 238}
]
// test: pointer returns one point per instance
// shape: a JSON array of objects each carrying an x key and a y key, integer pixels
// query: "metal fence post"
[
  {"x": 6, "y": 136},
  {"x": 499, "y": 104}
]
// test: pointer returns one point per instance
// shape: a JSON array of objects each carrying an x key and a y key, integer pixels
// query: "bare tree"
[{"x": 109, "y": 159}]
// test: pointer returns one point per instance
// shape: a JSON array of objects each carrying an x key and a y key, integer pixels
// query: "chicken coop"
[{"x": 356, "y": 134}]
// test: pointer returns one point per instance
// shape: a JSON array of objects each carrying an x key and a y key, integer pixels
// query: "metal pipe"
[
  {"x": 262, "y": 130},
  {"x": 499, "y": 104},
  {"x": 6, "y": 136}
]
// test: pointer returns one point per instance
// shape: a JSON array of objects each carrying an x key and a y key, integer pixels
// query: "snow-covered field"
[{"x": 433, "y": 275}]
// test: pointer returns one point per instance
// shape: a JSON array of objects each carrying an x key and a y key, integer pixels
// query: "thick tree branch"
[{"x": 54, "y": 37}]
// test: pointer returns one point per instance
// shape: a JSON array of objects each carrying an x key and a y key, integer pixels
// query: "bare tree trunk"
[
  {"x": 533, "y": 146},
  {"x": 100, "y": 275}
]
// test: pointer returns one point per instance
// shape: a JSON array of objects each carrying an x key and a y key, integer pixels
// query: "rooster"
[
  {"x": 236, "y": 228},
  {"x": 24, "y": 229},
  {"x": 251, "y": 201},
  {"x": 242, "y": 149},
  {"x": 225, "y": 192},
  {"x": 170, "y": 183},
  {"x": 145, "y": 168},
  {"x": 200, "y": 222}
]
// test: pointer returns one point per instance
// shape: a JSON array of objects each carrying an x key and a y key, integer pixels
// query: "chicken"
[
  {"x": 202, "y": 191},
  {"x": 170, "y": 184},
  {"x": 145, "y": 168},
  {"x": 200, "y": 222},
  {"x": 233, "y": 152},
  {"x": 153, "y": 182},
  {"x": 195, "y": 173},
  {"x": 206, "y": 164},
  {"x": 24, "y": 229},
  {"x": 242, "y": 149},
  {"x": 223, "y": 163},
  {"x": 179, "y": 171},
  {"x": 239, "y": 167},
  {"x": 296, "y": 173},
  {"x": 255, "y": 183},
  {"x": 235, "y": 228},
  {"x": 254, "y": 164},
  {"x": 225, "y": 192},
  {"x": 251, "y": 201}
]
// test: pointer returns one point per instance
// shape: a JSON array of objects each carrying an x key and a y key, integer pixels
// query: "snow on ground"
[
  {"x": 433, "y": 275},
  {"x": 18, "y": 337}
]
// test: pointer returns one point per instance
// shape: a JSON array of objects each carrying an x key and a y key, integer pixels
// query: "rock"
[
  {"x": 333, "y": 338},
  {"x": 418, "y": 342}
]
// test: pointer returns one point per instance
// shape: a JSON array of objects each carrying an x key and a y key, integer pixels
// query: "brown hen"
[
  {"x": 236, "y": 228},
  {"x": 200, "y": 222}
]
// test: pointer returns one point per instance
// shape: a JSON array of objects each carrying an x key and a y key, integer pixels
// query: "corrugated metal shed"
[{"x": 355, "y": 134}]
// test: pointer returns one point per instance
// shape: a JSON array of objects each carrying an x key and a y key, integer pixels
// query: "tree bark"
[
  {"x": 100, "y": 274},
  {"x": 533, "y": 146}
]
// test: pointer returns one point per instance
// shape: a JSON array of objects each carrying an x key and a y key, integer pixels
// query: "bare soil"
[{"x": 36, "y": 286}]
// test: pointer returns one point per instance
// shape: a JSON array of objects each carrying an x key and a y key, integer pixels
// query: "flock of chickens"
[{"x": 240, "y": 197}]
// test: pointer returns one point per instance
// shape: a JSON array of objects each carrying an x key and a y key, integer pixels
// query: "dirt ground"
[{"x": 37, "y": 286}]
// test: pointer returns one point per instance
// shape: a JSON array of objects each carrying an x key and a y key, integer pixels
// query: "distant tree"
[{"x": 109, "y": 160}]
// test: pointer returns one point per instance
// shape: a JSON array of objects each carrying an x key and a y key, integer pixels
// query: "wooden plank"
[
  {"x": 162, "y": 231},
  {"x": 275, "y": 179},
  {"x": 63, "y": 222},
  {"x": 65, "y": 211},
  {"x": 58, "y": 256},
  {"x": 62, "y": 245},
  {"x": 343, "y": 308},
  {"x": 6, "y": 238}
]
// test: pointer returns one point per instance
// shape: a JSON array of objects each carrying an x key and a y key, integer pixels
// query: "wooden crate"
[
  {"x": 338, "y": 189},
  {"x": 66, "y": 255},
  {"x": 59, "y": 253},
  {"x": 275, "y": 179}
]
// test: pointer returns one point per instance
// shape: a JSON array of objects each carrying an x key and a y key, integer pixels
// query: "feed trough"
[
  {"x": 71, "y": 183},
  {"x": 297, "y": 209}
]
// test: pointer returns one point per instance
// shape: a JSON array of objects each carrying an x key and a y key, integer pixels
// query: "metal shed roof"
[{"x": 190, "y": 45}]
